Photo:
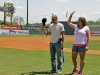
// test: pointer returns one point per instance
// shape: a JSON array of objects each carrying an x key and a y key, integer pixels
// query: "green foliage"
[
  {"x": 48, "y": 24},
  {"x": 7, "y": 22},
  {"x": 37, "y": 24},
  {"x": 93, "y": 23},
  {"x": 1, "y": 22}
]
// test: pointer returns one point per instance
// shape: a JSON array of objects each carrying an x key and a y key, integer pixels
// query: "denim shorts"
[{"x": 78, "y": 48}]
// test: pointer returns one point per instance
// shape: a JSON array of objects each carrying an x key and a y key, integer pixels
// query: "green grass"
[
  {"x": 22, "y": 35},
  {"x": 24, "y": 62},
  {"x": 93, "y": 45},
  {"x": 36, "y": 35},
  {"x": 30, "y": 35}
]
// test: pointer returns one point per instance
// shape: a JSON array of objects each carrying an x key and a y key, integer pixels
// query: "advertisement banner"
[
  {"x": 32, "y": 27},
  {"x": 4, "y": 31},
  {"x": 95, "y": 32},
  {"x": 20, "y": 32},
  {"x": 13, "y": 27},
  {"x": 15, "y": 32}
]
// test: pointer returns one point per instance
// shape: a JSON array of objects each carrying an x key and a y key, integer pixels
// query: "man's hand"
[
  {"x": 42, "y": 27},
  {"x": 44, "y": 30},
  {"x": 62, "y": 46}
]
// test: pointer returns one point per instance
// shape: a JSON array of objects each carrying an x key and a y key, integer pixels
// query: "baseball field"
[{"x": 29, "y": 55}]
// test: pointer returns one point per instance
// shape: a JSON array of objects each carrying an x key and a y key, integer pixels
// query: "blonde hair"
[{"x": 54, "y": 16}]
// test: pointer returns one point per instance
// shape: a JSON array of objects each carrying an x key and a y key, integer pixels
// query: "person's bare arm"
[
  {"x": 88, "y": 38},
  {"x": 69, "y": 20},
  {"x": 45, "y": 31},
  {"x": 62, "y": 33}
]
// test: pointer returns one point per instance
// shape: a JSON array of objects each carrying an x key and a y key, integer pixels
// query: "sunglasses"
[{"x": 53, "y": 19}]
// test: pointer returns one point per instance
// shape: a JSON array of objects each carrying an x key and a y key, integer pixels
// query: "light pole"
[{"x": 27, "y": 13}]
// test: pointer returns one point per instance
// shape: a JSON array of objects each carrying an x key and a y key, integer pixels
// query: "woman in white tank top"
[{"x": 80, "y": 43}]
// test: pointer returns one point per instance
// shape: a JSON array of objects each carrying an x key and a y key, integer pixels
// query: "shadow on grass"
[
  {"x": 34, "y": 73},
  {"x": 66, "y": 74},
  {"x": 41, "y": 73}
]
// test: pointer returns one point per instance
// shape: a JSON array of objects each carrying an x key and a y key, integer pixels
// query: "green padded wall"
[{"x": 68, "y": 29}]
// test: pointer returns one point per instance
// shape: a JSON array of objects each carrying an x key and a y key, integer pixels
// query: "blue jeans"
[{"x": 54, "y": 49}]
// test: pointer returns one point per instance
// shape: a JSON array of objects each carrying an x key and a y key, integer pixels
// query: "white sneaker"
[{"x": 59, "y": 71}]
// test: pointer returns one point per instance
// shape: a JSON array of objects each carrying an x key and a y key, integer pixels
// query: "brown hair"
[{"x": 83, "y": 20}]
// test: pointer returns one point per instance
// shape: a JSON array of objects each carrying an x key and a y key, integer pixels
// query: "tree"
[
  {"x": 37, "y": 24},
  {"x": 99, "y": 20},
  {"x": 18, "y": 20},
  {"x": 21, "y": 20},
  {"x": 1, "y": 22}
]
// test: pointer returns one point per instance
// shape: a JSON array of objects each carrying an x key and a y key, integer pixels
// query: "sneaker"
[
  {"x": 52, "y": 71},
  {"x": 80, "y": 73},
  {"x": 75, "y": 71},
  {"x": 59, "y": 71}
]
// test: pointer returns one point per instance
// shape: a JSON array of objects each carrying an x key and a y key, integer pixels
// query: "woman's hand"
[
  {"x": 86, "y": 48},
  {"x": 72, "y": 12}
]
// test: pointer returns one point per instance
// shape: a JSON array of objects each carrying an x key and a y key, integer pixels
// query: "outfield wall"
[
  {"x": 35, "y": 30},
  {"x": 95, "y": 30},
  {"x": 68, "y": 29}
]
